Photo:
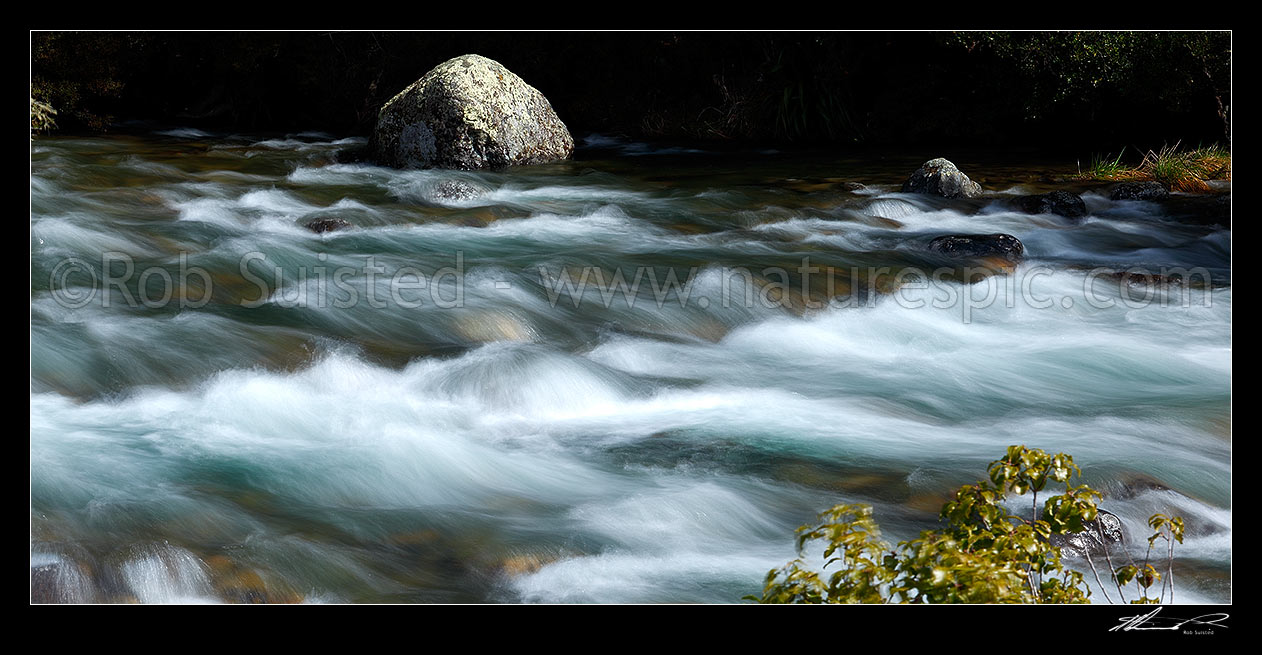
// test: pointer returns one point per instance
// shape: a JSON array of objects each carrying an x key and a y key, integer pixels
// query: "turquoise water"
[{"x": 451, "y": 400}]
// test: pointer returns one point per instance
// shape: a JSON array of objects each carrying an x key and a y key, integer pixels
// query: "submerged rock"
[
  {"x": 488, "y": 326},
  {"x": 353, "y": 154},
  {"x": 979, "y": 245},
  {"x": 469, "y": 113},
  {"x": 455, "y": 190},
  {"x": 58, "y": 580},
  {"x": 517, "y": 566},
  {"x": 322, "y": 225},
  {"x": 940, "y": 177},
  {"x": 1153, "y": 279},
  {"x": 235, "y": 583},
  {"x": 1133, "y": 486},
  {"x": 1089, "y": 541},
  {"x": 1061, "y": 203},
  {"x": 1200, "y": 209},
  {"x": 1139, "y": 191}
]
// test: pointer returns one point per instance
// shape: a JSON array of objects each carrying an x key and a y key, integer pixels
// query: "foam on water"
[
  {"x": 167, "y": 575},
  {"x": 660, "y": 452}
]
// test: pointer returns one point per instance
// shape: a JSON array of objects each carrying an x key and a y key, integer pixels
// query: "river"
[{"x": 451, "y": 399}]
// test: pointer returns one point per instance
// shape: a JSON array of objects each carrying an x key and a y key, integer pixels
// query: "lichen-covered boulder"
[
  {"x": 469, "y": 113},
  {"x": 978, "y": 246},
  {"x": 940, "y": 177},
  {"x": 1061, "y": 203},
  {"x": 1139, "y": 191}
]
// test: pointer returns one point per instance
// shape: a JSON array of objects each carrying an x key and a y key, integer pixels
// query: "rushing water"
[{"x": 218, "y": 414}]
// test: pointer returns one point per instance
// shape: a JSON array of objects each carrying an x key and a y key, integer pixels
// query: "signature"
[{"x": 1151, "y": 621}]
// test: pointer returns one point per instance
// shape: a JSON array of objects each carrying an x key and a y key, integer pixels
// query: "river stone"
[
  {"x": 978, "y": 245},
  {"x": 940, "y": 177},
  {"x": 1199, "y": 209},
  {"x": 322, "y": 225},
  {"x": 1061, "y": 203},
  {"x": 1088, "y": 542},
  {"x": 455, "y": 190},
  {"x": 1139, "y": 191},
  {"x": 469, "y": 113},
  {"x": 1133, "y": 486}
]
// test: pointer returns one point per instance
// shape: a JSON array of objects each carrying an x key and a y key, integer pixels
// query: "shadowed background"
[{"x": 1105, "y": 89}]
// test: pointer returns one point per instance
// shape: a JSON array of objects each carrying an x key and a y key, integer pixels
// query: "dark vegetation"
[{"x": 1105, "y": 89}]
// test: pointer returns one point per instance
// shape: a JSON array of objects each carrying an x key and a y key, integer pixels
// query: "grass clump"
[
  {"x": 1103, "y": 168},
  {"x": 1186, "y": 170},
  {"x": 1175, "y": 168},
  {"x": 1214, "y": 161}
]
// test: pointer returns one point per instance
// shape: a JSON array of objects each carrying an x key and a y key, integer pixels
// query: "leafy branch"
[{"x": 986, "y": 554}]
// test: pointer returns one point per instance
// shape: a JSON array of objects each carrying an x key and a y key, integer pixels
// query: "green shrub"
[{"x": 986, "y": 554}]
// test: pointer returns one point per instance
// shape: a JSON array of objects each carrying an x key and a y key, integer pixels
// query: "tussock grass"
[
  {"x": 1215, "y": 160},
  {"x": 1177, "y": 169},
  {"x": 1103, "y": 168}
]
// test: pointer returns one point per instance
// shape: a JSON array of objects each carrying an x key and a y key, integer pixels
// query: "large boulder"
[
  {"x": 1061, "y": 203},
  {"x": 469, "y": 113},
  {"x": 940, "y": 177},
  {"x": 979, "y": 246}
]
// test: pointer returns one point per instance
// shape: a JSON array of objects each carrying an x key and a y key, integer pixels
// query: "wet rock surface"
[
  {"x": 59, "y": 580},
  {"x": 1200, "y": 209},
  {"x": 1061, "y": 203},
  {"x": 940, "y": 177},
  {"x": 1139, "y": 191},
  {"x": 455, "y": 190},
  {"x": 322, "y": 225},
  {"x": 979, "y": 246}
]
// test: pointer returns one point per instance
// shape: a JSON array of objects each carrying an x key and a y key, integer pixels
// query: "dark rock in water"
[
  {"x": 940, "y": 177},
  {"x": 355, "y": 154},
  {"x": 322, "y": 225},
  {"x": 1200, "y": 209},
  {"x": 1146, "y": 279},
  {"x": 1222, "y": 209},
  {"x": 456, "y": 190},
  {"x": 1090, "y": 541},
  {"x": 469, "y": 113},
  {"x": 978, "y": 245},
  {"x": 1139, "y": 191},
  {"x": 1061, "y": 203}
]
